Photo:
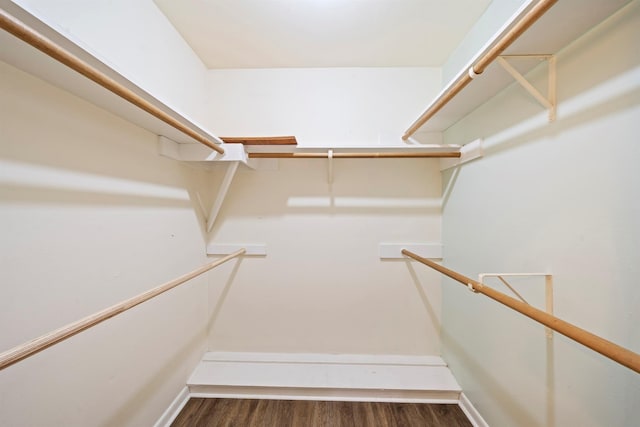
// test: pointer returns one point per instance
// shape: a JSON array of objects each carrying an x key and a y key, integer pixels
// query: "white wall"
[
  {"x": 561, "y": 198},
  {"x": 497, "y": 13},
  {"x": 136, "y": 40},
  {"x": 321, "y": 107},
  {"x": 322, "y": 287},
  {"x": 91, "y": 215}
]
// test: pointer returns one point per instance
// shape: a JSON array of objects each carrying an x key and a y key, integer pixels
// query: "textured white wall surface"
[
  {"x": 324, "y": 106},
  {"x": 562, "y": 198},
  {"x": 90, "y": 215},
  {"x": 322, "y": 287}
]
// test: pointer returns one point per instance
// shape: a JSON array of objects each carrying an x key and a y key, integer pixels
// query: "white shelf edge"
[
  {"x": 321, "y": 371},
  {"x": 394, "y": 250},
  {"x": 199, "y": 153},
  {"x": 431, "y": 148},
  {"x": 252, "y": 249},
  {"x": 323, "y": 358}
]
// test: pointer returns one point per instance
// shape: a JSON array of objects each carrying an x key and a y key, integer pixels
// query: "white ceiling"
[{"x": 322, "y": 33}]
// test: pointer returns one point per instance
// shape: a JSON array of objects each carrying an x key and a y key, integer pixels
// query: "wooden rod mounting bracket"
[
  {"x": 549, "y": 101},
  {"x": 548, "y": 292}
]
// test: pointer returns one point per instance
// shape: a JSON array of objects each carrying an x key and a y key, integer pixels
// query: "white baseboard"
[
  {"x": 174, "y": 408},
  {"x": 471, "y": 412},
  {"x": 304, "y": 376}
]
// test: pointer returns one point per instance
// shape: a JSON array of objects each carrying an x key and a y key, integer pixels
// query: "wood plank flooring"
[{"x": 305, "y": 413}]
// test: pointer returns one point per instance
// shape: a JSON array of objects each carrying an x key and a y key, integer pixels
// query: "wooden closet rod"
[
  {"x": 481, "y": 64},
  {"x": 325, "y": 155},
  {"x": 36, "y": 345},
  {"x": 611, "y": 350},
  {"x": 27, "y": 34}
]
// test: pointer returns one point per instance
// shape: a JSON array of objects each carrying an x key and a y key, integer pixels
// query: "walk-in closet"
[{"x": 319, "y": 212}]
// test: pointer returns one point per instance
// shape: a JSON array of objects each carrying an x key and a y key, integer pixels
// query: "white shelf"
[
  {"x": 324, "y": 376},
  {"x": 563, "y": 23},
  {"x": 27, "y": 58},
  {"x": 424, "y": 149}
]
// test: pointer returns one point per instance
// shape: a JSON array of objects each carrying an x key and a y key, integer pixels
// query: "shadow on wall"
[
  {"x": 611, "y": 86},
  {"x": 137, "y": 401},
  {"x": 428, "y": 306},
  {"x": 530, "y": 131},
  {"x": 60, "y": 196},
  {"x": 57, "y": 148},
  {"x": 215, "y": 312},
  {"x": 361, "y": 187},
  {"x": 44, "y": 125},
  {"x": 492, "y": 389},
  {"x": 449, "y": 179},
  {"x": 32, "y": 184}
]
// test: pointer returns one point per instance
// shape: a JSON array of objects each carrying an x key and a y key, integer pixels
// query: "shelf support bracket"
[
  {"x": 222, "y": 193},
  {"x": 548, "y": 291},
  {"x": 549, "y": 101}
]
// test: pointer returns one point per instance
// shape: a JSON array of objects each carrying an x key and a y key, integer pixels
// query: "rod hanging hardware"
[
  {"x": 607, "y": 348},
  {"x": 511, "y": 288},
  {"x": 36, "y": 345},
  {"x": 39, "y": 41},
  {"x": 548, "y": 291}
]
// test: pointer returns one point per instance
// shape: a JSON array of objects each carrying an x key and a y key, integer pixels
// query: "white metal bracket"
[
  {"x": 548, "y": 280},
  {"x": 549, "y": 101},
  {"x": 222, "y": 193}
]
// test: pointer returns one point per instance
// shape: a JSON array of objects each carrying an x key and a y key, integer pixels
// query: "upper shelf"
[
  {"x": 260, "y": 140},
  {"x": 564, "y": 22},
  {"x": 18, "y": 53}
]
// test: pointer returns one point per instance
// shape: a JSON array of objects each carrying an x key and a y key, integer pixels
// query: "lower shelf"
[{"x": 325, "y": 377}]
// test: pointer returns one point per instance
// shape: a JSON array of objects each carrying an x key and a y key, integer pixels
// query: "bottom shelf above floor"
[{"x": 324, "y": 376}]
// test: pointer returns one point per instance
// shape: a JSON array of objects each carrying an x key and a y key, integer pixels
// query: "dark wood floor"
[{"x": 305, "y": 413}]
